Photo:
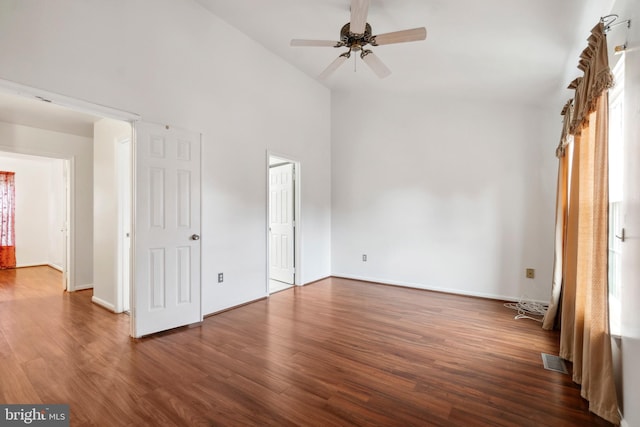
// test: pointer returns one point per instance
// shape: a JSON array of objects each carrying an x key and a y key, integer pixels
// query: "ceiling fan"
[{"x": 356, "y": 34}]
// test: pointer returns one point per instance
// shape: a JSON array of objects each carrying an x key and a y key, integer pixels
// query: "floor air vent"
[{"x": 554, "y": 363}]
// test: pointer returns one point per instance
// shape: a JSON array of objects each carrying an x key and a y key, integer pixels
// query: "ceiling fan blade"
[
  {"x": 375, "y": 64},
  {"x": 333, "y": 67},
  {"x": 412, "y": 35},
  {"x": 318, "y": 43},
  {"x": 359, "y": 11}
]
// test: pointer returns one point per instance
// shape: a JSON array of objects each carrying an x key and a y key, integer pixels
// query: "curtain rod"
[{"x": 608, "y": 22}]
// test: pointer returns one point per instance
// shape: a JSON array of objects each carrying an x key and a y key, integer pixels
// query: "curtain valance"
[{"x": 597, "y": 78}]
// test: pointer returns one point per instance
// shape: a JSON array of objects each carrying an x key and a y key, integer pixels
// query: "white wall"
[
  {"x": 454, "y": 195},
  {"x": 630, "y": 347},
  {"x": 57, "y": 211},
  {"x": 106, "y": 136},
  {"x": 27, "y": 140},
  {"x": 173, "y": 62},
  {"x": 38, "y": 212}
]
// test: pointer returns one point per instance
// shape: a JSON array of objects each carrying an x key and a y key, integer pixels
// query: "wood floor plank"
[
  {"x": 335, "y": 353},
  {"x": 15, "y": 385}
]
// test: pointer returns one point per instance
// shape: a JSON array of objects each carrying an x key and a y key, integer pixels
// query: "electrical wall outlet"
[
  {"x": 530, "y": 273},
  {"x": 364, "y": 257},
  {"x": 220, "y": 277}
]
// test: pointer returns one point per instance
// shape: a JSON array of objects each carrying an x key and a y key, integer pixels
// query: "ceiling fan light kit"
[{"x": 357, "y": 34}]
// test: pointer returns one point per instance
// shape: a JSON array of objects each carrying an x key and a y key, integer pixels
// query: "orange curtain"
[
  {"x": 7, "y": 220},
  {"x": 580, "y": 270}
]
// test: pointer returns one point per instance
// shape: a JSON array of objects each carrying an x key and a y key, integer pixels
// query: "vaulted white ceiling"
[
  {"x": 517, "y": 49},
  {"x": 497, "y": 49}
]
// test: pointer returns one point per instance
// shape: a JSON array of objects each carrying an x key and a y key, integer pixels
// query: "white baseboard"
[
  {"x": 35, "y": 264},
  {"x": 222, "y": 310},
  {"x": 432, "y": 288},
  {"x": 40, "y": 264},
  {"x": 56, "y": 267},
  {"x": 83, "y": 287},
  {"x": 102, "y": 303}
]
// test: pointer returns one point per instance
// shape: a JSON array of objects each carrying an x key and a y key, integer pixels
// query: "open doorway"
[
  {"x": 283, "y": 220},
  {"x": 48, "y": 125},
  {"x": 41, "y": 210},
  {"x": 112, "y": 213}
]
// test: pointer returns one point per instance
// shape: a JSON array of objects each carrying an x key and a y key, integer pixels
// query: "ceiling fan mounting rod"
[{"x": 355, "y": 41}]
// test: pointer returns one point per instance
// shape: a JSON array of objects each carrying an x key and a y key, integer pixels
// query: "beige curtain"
[
  {"x": 580, "y": 274},
  {"x": 562, "y": 198}
]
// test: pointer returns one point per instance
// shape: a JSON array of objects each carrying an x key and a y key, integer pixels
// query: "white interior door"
[
  {"x": 281, "y": 223},
  {"x": 166, "y": 229}
]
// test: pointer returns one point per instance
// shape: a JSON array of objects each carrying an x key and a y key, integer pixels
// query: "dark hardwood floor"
[{"x": 334, "y": 353}]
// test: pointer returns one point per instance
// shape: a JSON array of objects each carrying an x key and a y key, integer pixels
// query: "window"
[{"x": 616, "y": 141}]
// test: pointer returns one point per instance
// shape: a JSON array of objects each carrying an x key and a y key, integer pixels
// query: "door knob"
[{"x": 195, "y": 237}]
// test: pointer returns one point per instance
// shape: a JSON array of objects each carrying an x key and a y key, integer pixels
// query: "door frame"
[
  {"x": 68, "y": 229},
  {"x": 124, "y": 158},
  {"x": 75, "y": 104},
  {"x": 297, "y": 231}
]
